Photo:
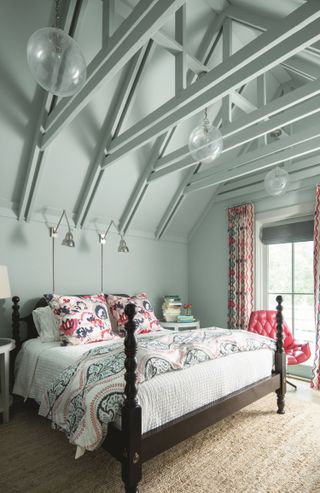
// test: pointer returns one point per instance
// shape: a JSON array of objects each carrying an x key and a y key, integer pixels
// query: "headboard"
[{"x": 28, "y": 320}]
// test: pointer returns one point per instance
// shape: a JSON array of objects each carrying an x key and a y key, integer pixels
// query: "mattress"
[{"x": 163, "y": 398}]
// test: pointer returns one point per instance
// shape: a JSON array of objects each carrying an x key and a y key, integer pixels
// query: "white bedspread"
[{"x": 163, "y": 398}]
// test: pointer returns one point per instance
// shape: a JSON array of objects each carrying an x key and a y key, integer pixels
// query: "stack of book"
[
  {"x": 185, "y": 318},
  {"x": 171, "y": 307}
]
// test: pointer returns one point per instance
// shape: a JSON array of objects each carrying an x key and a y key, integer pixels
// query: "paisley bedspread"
[{"x": 89, "y": 395}]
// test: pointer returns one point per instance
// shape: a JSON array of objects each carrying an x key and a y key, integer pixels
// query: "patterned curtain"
[
  {"x": 241, "y": 265},
  {"x": 315, "y": 382}
]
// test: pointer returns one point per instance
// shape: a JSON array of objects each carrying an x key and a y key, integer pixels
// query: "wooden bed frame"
[{"x": 129, "y": 445}]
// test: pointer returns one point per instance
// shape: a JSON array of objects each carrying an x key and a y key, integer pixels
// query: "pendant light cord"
[{"x": 57, "y": 14}]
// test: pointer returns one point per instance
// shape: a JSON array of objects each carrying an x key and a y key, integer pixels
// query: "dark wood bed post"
[
  {"x": 16, "y": 321},
  {"x": 15, "y": 335},
  {"x": 131, "y": 411},
  {"x": 280, "y": 358}
]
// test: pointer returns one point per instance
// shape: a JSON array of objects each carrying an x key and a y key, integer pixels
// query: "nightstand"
[
  {"x": 6, "y": 345},
  {"x": 176, "y": 326}
]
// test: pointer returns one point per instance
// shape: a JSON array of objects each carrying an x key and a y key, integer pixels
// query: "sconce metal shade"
[
  {"x": 123, "y": 247},
  {"x": 68, "y": 240}
]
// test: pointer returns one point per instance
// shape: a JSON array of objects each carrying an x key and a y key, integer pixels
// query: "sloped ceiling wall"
[{"x": 153, "y": 186}]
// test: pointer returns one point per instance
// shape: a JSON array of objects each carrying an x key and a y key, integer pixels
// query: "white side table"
[
  {"x": 176, "y": 326},
  {"x": 6, "y": 345}
]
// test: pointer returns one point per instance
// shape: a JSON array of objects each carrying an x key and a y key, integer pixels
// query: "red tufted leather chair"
[{"x": 263, "y": 322}]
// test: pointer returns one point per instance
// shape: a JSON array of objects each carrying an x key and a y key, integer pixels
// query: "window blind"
[{"x": 287, "y": 233}]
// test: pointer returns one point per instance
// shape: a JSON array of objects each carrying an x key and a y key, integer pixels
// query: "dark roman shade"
[{"x": 287, "y": 233}]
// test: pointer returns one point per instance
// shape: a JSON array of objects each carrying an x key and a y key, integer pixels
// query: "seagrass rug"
[{"x": 253, "y": 451}]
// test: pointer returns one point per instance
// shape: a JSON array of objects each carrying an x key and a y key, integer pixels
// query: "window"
[{"x": 290, "y": 273}]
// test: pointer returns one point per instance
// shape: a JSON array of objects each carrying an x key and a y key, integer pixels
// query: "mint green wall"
[
  {"x": 208, "y": 260},
  {"x": 157, "y": 267},
  {"x": 208, "y": 255}
]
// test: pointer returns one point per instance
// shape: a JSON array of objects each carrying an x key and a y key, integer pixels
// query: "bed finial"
[
  {"x": 16, "y": 321},
  {"x": 280, "y": 357}
]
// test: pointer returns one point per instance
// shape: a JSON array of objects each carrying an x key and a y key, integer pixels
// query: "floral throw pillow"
[
  {"x": 145, "y": 318},
  {"x": 81, "y": 319}
]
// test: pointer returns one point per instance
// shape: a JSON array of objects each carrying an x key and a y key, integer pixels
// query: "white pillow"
[{"x": 45, "y": 324}]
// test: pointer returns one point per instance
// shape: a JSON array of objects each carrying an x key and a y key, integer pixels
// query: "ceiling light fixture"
[
  {"x": 56, "y": 60},
  {"x": 276, "y": 181},
  {"x": 205, "y": 141}
]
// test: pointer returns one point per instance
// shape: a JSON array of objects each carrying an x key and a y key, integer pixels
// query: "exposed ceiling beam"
[
  {"x": 243, "y": 103},
  {"x": 180, "y": 58},
  {"x": 258, "y": 22},
  {"x": 226, "y": 118},
  {"x": 226, "y": 105},
  {"x": 262, "y": 99},
  {"x": 288, "y": 109},
  {"x": 171, "y": 209},
  {"x": 296, "y": 146},
  {"x": 165, "y": 41},
  {"x": 302, "y": 168},
  {"x": 298, "y": 181},
  {"x": 133, "y": 33},
  {"x": 206, "y": 48},
  {"x": 291, "y": 35},
  {"x": 108, "y": 14},
  {"x": 111, "y": 127},
  {"x": 301, "y": 67},
  {"x": 72, "y": 16}
]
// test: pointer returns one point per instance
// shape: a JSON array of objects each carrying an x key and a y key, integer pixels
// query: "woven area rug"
[{"x": 253, "y": 451}]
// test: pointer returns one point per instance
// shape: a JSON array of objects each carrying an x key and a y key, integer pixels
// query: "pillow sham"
[
  {"x": 145, "y": 319},
  {"x": 81, "y": 319},
  {"x": 45, "y": 323}
]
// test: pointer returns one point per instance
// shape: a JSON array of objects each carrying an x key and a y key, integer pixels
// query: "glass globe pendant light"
[
  {"x": 56, "y": 60},
  {"x": 276, "y": 182},
  {"x": 205, "y": 141}
]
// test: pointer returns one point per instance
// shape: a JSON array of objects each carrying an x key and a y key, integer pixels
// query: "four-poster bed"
[{"x": 130, "y": 445}]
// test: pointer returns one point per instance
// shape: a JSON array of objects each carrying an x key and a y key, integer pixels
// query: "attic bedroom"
[{"x": 160, "y": 246}]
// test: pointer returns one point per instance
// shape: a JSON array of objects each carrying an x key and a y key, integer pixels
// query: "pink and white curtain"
[
  {"x": 241, "y": 265},
  {"x": 315, "y": 382}
]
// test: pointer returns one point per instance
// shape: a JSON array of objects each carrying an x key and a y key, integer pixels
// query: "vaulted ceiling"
[{"x": 118, "y": 148}]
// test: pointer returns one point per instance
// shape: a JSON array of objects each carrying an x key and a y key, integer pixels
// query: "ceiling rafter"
[
  {"x": 243, "y": 103},
  {"x": 165, "y": 41},
  {"x": 180, "y": 58},
  {"x": 226, "y": 118},
  {"x": 291, "y": 107},
  {"x": 301, "y": 67},
  {"x": 112, "y": 126},
  {"x": 72, "y": 15},
  {"x": 206, "y": 48},
  {"x": 292, "y": 147},
  {"x": 226, "y": 53},
  {"x": 298, "y": 181},
  {"x": 258, "y": 22},
  {"x": 305, "y": 166},
  {"x": 132, "y": 34},
  {"x": 292, "y": 34}
]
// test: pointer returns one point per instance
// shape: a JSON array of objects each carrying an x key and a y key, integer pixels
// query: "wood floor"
[{"x": 303, "y": 392}]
